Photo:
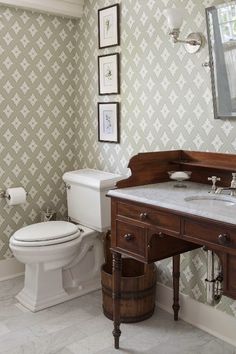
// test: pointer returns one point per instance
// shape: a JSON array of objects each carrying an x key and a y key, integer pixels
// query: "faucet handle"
[
  {"x": 233, "y": 182},
  {"x": 215, "y": 179}
]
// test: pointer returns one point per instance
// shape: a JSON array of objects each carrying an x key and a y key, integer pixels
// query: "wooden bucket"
[{"x": 138, "y": 290}]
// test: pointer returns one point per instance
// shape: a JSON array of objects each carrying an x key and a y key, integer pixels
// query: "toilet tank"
[{"x": 86, "y": 197}]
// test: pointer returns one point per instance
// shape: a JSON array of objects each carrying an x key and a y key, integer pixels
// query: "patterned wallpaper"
[
  {"x": 37, "y": 114},
  {"x": 166, "y": 103},
  {"x": 48, "y": 102}
]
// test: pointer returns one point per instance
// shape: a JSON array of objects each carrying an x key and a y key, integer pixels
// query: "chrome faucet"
[
  {"x": 232, "y": 187},
  {"x": 214, "y": 179},
  {"x": 222, "y": 189},
  {"x": 233, "y": 182}
]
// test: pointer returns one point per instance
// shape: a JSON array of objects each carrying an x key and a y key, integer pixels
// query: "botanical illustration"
[
  {"x": 108, "y": 74},
  {"x": 107, "y": 122},
  {"x": 108, "y": 27}
]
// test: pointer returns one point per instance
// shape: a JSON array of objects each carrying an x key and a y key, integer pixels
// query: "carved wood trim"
[
  {"x": 150, "y": 167},
  {"x": 153, "y": 167}
]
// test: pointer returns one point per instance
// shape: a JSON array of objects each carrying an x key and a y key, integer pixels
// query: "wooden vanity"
[{"x": 150, "y": 233}]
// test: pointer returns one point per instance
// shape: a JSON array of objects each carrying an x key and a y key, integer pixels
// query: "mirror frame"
[{"x": 208, "y": 11}]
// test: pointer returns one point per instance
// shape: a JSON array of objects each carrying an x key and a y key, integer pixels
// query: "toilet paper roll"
[{"x": 16, "y": 196}]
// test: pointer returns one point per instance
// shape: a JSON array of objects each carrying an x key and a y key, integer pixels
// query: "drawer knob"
[
  {"x": 128, "y": 237},
  {"x": 161, "y": 235},
  {"x": 224, "y": 239},
  {"x": 143, "y": 216}
]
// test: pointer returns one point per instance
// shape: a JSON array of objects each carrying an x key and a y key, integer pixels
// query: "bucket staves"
[{"x": 138, "y": 290}]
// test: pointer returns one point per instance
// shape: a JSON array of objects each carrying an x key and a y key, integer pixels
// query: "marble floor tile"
[
  {"x": 79, "y": 327},
  {"x": 3, "y": 329},
  {"x": 62, "y": 351}
]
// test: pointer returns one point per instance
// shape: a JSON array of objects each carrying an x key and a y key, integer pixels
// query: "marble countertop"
[{"x": 165, "y": 195}]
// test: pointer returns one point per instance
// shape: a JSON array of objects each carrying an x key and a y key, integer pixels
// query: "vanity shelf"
[
  {"x": 153, "y": 167},
  {"x": 206, "y": 164},
  {"x": 209, "y": 160}
]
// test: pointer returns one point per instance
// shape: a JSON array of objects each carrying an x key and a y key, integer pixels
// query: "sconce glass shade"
[{"x": 174, "y": 18}]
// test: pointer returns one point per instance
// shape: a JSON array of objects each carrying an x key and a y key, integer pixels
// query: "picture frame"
[
  {"x": 109, "y": 26},
  {"x": 108, "y": 122},
  {"x": 108, "y": 74}
]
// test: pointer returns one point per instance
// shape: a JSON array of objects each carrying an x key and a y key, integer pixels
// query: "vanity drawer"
[
  {"x": 210, "y": 233},
  {"x": 131, "y": 238},
  {"x": 150, "y": 216}
]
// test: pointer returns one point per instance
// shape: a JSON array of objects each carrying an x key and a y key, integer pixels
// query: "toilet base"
[
  {"x": 45, "y": 287},
  {"x": 58, "y": 278},
  {"x": 27, "y": 301}
]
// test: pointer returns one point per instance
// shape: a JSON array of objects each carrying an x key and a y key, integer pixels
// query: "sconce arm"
[
  {"x": 192, "y": 41},
  {"x": 188, "y": 41},
  {"x": 195, "y": 40}
]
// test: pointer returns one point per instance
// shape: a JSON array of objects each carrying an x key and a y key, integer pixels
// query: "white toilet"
[{"x": 63, "y": 259}]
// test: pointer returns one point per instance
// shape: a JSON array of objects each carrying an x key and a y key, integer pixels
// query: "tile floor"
[{"x": 79, "y": 327}]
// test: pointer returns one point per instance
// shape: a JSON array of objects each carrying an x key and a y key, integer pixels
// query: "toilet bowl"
[
  {"x": 63, "y": 259},
  {"x": 56, "y": 245}
]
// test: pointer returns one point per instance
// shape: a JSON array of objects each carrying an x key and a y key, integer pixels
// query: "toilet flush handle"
[{"x": 67, "y": 186}]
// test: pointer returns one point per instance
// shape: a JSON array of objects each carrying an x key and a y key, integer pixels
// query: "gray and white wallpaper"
[
  {"x": 166, "y": 100},
  {"x": 37, "y": 114},
  {"x": 166, "y": 103},
  {"x": 48, "y": 102}
]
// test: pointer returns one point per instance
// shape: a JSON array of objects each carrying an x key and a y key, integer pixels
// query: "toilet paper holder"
[{"x": 4, "y": 195}]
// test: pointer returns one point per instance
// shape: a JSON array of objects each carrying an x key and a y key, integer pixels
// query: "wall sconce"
[{"x": 193, "y": 42}]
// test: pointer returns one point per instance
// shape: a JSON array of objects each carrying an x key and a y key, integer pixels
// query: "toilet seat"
[{"x": 45, "y": 233}]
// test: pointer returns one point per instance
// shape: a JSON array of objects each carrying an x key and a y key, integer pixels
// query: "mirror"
[{"x": 221, "y": 30}]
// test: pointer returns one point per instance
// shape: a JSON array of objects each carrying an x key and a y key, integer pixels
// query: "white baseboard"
[
  {"x": 205, "y": 317},
  {"x": 10, "y": 268}
]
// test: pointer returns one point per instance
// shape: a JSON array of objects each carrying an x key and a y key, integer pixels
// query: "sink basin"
[{"x": 211, "y": 201}]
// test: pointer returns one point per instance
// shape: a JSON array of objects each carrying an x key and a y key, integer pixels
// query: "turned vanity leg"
[
  {"x": 176, "y": 276},
  {"x": 116, "y": 280}
]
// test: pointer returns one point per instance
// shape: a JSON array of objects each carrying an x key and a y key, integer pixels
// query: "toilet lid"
[
  {"x": 58, "y": 241},
  {"x": 46, "y": 231}
]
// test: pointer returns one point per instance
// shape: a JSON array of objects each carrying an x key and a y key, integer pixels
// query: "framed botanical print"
[
  {"x": 108, "y": 122},
  {"x": 108, "y": 74},
  {"x": 108, "y": 26}
]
